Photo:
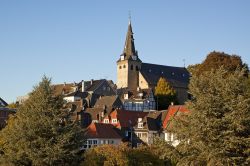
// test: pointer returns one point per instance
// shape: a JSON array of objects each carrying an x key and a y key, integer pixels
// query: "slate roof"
[
  {"x": 2, "y": 103},
  {"x": 93, "y": 84},
  {"x": 93, "y": 112},
  {"x": 78, "y": 94},
  {"x": 108, "y": 101},
  {"x": 101, "y": 130},
  {"x": 152, "y": 121},
  {"x": 62, "y": 88},
  {"x": 177, "y": 76}
]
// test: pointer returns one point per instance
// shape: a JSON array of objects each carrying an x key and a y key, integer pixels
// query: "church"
[{"x": 135, "y": 75}]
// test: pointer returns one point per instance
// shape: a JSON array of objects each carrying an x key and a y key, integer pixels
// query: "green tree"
[
  {"x": 217, "y": 130},
  {"x": 164, "y": 94},
  {"x": 38, "y": 133}
]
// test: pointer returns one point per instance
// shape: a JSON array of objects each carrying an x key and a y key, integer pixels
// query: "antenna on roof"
[{"x": 184, "y": 61}]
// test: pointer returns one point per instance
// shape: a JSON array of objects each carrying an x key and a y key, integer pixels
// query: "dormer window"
[
  {"x": 106, "y": 120},
  {"x": 140, "y": 123},
  {"x": 172, "y": 73},
  {"x": 126, "y": 96},
  {"x": 114, "y": 121}
]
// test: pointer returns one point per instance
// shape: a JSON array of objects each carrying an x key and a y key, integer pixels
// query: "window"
[
  {"x": 120, "y": 67},
  {"x": 124, "y": 66},
  {"x": 108, "y": 88},
  {"x": 140, "y": 125},
  {"x": 137, "y": 68},
  {"x": 114, "y": 120},
  {"x": 106, "y": 121},
  {"x": 104, "y": 88},
  {"x": 132, "y": 67}
]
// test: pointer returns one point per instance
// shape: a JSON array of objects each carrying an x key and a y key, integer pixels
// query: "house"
[
  {"x": 100, "y": 133},
  {"x": 174, "y": 111},
  {"x": 148, "y": 128},
  {"x": 138, "y": 100},
  {"x": 133, "y": 73},
  {"x": 4, "y": 113},
  {"x": 136, "y": 127}
]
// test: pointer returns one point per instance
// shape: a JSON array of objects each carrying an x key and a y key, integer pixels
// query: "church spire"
[{"x": 129, "y": 48}]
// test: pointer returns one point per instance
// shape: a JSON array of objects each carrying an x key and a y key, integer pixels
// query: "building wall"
[
  {"x": 100, "y": 141},
  {"x": 128, "y": 74},
  {"x": 122, "y": 74},
  {"x": 143, "y": 84}
]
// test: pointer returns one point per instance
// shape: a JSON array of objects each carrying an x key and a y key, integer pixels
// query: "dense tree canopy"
[
  {"x": 38, "y": 135},
  {"x": 217, "y": 130},
  {"x": 121, "y": 155},
  {"x": 214, "y": 60},
  {"x": 164, "y": 94}
]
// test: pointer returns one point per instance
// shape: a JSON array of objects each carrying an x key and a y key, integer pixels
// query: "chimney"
[
  {"x": 64, "y": 83},
  {"x": 83, "y": 86},
  {"x": 91, "y": 81},
  {"x": 138, "y": 88}
]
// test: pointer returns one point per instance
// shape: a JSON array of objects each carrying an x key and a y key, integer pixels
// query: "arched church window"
[
  {"x": 124, "y": 66},
  {"x": 120, "y": 67},
  {"x": 132, "y": 67}
]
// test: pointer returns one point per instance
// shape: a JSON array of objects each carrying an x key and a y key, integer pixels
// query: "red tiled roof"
[
  {"x": 172, "y": 111},
  {"x": 129, "y": 118},
  {"x": 101, "y": 130}
]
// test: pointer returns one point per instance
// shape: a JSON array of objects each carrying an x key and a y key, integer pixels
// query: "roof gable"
[
  {"x": 2, "y": 103},
  {"x": 101, "y": 130}
]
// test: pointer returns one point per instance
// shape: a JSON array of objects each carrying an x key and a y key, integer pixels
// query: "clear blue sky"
[{"x": 74, "y": 40}]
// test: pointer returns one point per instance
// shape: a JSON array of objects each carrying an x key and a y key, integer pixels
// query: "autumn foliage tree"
[
  {"x": 38, "y": 135},
  {"x": 121, "y": 155},
  {"x": 164, "y": 94},
  {"x": 215, "y": 59}
]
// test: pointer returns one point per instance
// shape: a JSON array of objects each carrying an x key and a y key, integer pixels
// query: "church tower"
[{"x": 129, "y": 64}]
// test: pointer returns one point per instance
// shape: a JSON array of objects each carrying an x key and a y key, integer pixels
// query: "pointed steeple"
[{"x": 129, "y": 48}]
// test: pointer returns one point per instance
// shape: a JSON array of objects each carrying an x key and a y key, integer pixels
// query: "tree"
[
  {"x": 38, "y": 135},
  {"x": 121, "y": 155},
  {"x": 217, "y": 130},
  {"x": 165, "y": 94},
  {"x": 105, "y": 155},
  {"x": 166, "y": 152},
  {"x": 214, "y": 60},
  {"x": 13, "y": 105}
]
